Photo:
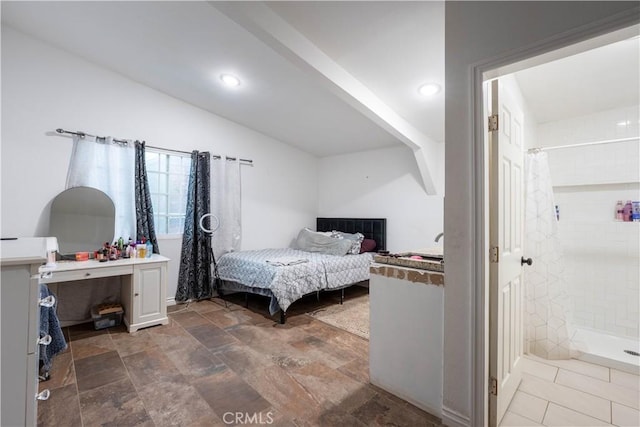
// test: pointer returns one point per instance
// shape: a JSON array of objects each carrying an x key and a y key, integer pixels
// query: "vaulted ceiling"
[{"x": 327, "y": 77}]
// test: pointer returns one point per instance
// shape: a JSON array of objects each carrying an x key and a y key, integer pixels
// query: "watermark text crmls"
[{"x": 236, "y": 418}]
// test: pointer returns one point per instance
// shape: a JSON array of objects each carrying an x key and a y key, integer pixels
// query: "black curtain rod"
[
  {"x": 83, "y": 134},
  {"x": 215, "y": 156},
  {"x": 124, "y": 141}
]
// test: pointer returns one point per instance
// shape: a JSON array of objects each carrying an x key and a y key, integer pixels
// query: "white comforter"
[{"x": 289, "y": 273}]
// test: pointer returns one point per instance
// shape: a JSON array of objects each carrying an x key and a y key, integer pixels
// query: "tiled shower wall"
[{"x": 602, "y": 256}]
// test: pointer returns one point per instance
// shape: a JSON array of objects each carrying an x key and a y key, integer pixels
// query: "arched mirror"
[{"x": 82, "y": 218}]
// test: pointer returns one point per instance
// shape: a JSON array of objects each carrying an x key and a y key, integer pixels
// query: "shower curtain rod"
[
  {"x": 583, "y": 144},
  {"x": 125, "y": 142}
]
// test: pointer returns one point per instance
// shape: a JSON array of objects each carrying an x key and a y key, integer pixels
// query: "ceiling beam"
[{"x": 273, "y": 30}]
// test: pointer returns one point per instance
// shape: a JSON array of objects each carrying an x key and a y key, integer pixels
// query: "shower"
[{"x": 582, "y": 300}]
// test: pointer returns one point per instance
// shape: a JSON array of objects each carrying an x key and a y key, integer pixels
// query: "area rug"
[{"x": 352, "y": 316}]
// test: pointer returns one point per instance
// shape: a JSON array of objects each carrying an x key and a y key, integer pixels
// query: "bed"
[{"x": 285, "y": 274}]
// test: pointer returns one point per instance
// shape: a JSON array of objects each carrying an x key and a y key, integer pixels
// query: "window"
[{"x": 168, "y": 175}]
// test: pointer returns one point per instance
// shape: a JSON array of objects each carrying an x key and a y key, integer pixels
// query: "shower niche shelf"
[{"x": 627, "y": 184}]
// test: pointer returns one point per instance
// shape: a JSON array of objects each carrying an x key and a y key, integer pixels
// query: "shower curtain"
[{"x": 548, "y": 311}]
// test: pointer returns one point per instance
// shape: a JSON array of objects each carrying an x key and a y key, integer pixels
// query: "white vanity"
[
  {"x": 143, "y": 291},
  {"x": 83, "y": 219}
]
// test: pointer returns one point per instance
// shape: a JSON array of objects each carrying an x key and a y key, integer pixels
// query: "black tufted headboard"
[{"x": 372, "y": 228}]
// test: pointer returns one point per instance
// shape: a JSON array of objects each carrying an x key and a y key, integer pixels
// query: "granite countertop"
[
  {"x": 409, "y": 274},
  {"x": 430, "y": 259}
]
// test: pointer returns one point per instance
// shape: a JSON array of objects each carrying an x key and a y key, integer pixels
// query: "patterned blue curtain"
[
  {"x": 144, "y": 210},
  {"x": 194, "y": 279}
]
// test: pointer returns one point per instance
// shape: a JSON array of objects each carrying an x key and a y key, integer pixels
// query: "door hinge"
[
  {"x": 493, "y": 123},
  {"x": 494, "y": 254},
  {"x": 493, "y": 386}
]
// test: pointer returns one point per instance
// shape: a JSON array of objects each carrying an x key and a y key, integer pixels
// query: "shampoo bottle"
[{"x": 635, "y": 214}]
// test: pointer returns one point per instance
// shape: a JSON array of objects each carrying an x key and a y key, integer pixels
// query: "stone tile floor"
[{"x": 218, "y": 364}]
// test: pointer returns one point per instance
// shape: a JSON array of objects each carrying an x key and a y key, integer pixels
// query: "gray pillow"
[
  {"x": 355, "y": 239},
  {"x": 312, "y": 241}
]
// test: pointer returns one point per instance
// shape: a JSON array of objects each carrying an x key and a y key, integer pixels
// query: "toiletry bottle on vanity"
[
  {"x": 141, "y": 248},
  {"x": 635, "y": 213},
  {"x": 619, "y": 211},
  {"x": 149, "y": 248},
  {"x": 626, "y": 213}
]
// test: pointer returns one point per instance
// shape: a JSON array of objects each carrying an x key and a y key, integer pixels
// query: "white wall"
[
  {"x": 382, "y": 183},
  {"x": 602, "y": 256},
  {"x": 44, "y": 88},
  {"x": 477, "y": 33}
]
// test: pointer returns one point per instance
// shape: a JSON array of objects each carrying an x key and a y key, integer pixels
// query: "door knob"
[{"x": 527, "y": 261}]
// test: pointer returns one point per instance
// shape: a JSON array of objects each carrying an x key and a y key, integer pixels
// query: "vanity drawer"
[{"x": 85, "y": 274}]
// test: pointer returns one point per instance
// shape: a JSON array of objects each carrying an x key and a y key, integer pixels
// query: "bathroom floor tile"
[
  {"x": 579, "y": 366},
  {"x": 603, "y": 389},
  {"x": 568, "y": 397},
  {"x": 542, "y": 370},
  {"x": 562, "y": 417},
  {"x": 625, "y": 379},
  {"x": 511, "y": 419},
  {"x": 581, "y": 394},
  {"x": 624, "y": 416},
  {"x": 528, "y": 406}
]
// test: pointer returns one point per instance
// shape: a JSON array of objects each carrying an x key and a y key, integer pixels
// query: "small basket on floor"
[{"x": 106, "y": 315}]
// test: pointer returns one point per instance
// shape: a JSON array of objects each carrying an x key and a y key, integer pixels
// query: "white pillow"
[
  {"x": 356, "y": 240},
  {"x": 312, "y": 241}
]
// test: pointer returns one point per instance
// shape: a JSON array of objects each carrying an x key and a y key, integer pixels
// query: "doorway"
[{"x": 498, "y": 352}]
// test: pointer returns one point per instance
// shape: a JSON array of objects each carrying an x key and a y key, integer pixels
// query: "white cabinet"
[
  {"x": 149, "y": 305},
  {"x": 406, "y": 334},
  {"x": 20, "y": 310}
]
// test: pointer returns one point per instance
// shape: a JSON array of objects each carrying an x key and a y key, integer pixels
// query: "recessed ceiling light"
[
  {"x": 229, "y": 80},
  {"x": 624, "y": 123},
  {"x": 429, "y": 89}
]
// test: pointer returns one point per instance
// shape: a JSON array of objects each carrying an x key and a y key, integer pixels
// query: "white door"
[{"x": 506, "y": 241}]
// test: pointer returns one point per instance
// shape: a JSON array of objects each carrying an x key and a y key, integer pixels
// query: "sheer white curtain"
[
  {"x": 225, "y": 205},
  {"x": 549, "y": 329},
  {"x": 109, "y": 167}
]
